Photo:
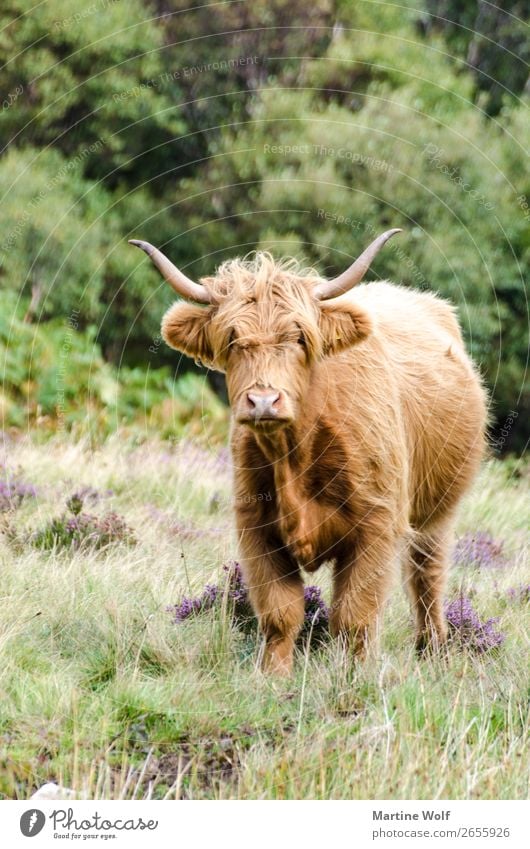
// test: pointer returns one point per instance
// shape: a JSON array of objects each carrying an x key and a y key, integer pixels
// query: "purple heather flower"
[
  {"x": 480, "y": 550},
  {"x": 519, "y": 594},
  {"x": 234, "y": 589},
  {"x": 212, "y": 594},
  {"x": 465, "y": 624},
  {"x": 12, "y": 492},
  {"x": 192, "y": 606},
  {"x": 237, "y": 590},
  {"x": 316, "y": 611},
  {"x": 209, "y": 596},
  {"x": 316, "y": 618},
  {"x": 187, "y": 607},
  {"x": 83, "y": 529}
]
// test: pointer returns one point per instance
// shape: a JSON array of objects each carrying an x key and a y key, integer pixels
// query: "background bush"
[{"x": 213, "y": 130}]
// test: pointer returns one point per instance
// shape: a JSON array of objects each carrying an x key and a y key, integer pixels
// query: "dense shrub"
[
  {"x": 213, "y": 130},
  {"x": 54, "y": 375}
]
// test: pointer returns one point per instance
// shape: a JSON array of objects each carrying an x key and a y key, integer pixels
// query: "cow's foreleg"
[
  {"x": 276, "y": 593},
  {"x": 362, "y": 581}
]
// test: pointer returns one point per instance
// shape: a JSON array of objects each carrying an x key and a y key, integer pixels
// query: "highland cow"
[{"x": 361, "y": 417}]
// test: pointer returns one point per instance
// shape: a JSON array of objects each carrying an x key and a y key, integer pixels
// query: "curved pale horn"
[
  {"x": 355, "y": 273},
  {"x": 178, "y": 281}
]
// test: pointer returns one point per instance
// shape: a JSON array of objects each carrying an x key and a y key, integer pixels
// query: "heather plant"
[
  {"x": 76, "y": 529},
  {"x": 190, "y": 606},
  {"x": 234, "y": 590},
  {"x": 316, "y": 619},
  {"x": 466, "y": 629},
  {"x": 520, "y": 594},
  {"x": 13, "y": 491},
  {"x": 480, "y": 550},
  {"x": 237, "y": 595}
]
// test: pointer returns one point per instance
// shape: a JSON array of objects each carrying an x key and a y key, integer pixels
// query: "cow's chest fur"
[{"x": 303, "y": 495}]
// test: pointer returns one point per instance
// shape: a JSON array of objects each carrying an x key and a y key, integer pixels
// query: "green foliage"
[
  {"x": 492, "y": 40},
  {"x": 79, "y": 70},
  {"x": 54, "y": 375},
  {"x": 53, "y": 234},
  {"x": 211, "y": 130}
]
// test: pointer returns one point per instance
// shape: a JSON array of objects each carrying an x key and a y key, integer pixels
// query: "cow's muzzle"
[{"x": 263, "y": 407}]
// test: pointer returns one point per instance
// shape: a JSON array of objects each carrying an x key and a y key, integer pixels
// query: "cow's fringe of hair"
[
  {"x": 258, "y": 273},
  {"x": 281, "y": 288}
]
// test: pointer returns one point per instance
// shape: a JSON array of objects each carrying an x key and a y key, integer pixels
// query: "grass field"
[{"x": 102, "y": 692}]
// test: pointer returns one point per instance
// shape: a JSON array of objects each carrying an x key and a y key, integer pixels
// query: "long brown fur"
[{"x": 387, "y": 434}]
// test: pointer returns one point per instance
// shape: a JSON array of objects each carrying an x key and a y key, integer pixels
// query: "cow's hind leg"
[
  {"x": 426, "y": 576},
  {"x": 276, "y": 591}
]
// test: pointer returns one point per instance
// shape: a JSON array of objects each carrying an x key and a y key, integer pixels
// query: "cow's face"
[
  {"x": 265, "y": 330},
  {"x": 265, "y": 325}
]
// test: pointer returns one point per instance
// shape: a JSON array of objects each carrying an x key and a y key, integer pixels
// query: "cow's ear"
[
  {"x": 343, "y": 325},
  {"x": 186, "y": 327}
]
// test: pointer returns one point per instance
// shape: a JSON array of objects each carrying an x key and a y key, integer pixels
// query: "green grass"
[{"x": 102, "y": 693}]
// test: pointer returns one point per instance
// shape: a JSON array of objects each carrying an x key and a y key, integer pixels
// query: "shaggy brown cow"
[{"x": 357, "y": 417}]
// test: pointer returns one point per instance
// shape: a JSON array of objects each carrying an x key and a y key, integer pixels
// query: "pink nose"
[{"x": 263, "y": 403}]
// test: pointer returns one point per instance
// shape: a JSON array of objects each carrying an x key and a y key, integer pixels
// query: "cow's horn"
[
  {"x": 176, "y": 279},
  {"x": 355, "y": 273}
]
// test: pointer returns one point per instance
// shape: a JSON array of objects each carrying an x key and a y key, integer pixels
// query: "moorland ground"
[{"x": 104, "y": 693}]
